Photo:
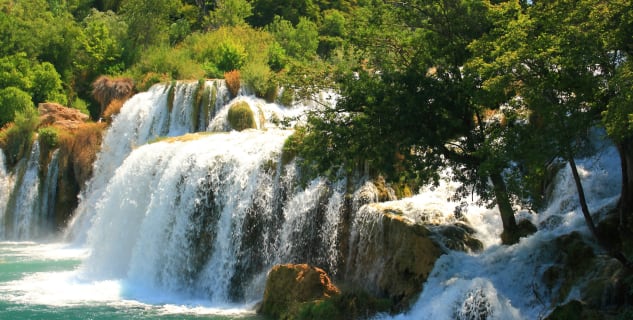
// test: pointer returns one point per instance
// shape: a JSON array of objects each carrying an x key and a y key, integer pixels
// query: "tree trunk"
[
  {"x": 510, "y": 233},
  {"x": 589, "y": 220},
  {"x": 625, "y": 150}
]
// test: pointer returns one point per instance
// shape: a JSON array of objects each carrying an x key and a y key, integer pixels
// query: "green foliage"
[
  {"x": 163, "y": 60},
  {"x": 277, "y": 57},
  {"x": 266, "y": 11},
  {"x": 16, "y": 138},
  {"x": 230, "y": 13},
  {"x": 39, "y": 80},
  {"x": 231, "y": 56},
  {"x": 300, "y": 42},
  {"x": 48, "y": 138},
  {"x": 241, "y": 116},
  {"x": 46, "y": 85},
  {"x": 259, "y": 77},
  {"x": 13, "y": 101},
  {"x": 148, "y": 24},
  {"x": 80, "y": 105}
]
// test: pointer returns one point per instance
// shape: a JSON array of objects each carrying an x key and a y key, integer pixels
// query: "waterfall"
[
  {"x": 207, "y": 213},
  {"x": 48, "y": 195},
  {"x": 505, "y": 282},
  {"x": 22, "y": 217},
  {"x": 6, "y": 187}
]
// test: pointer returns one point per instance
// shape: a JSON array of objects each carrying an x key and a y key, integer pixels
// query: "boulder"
[
  {"x": 60, "y": 116},
  {"x": 290, "y": 285},
  {"x": 391, "y": 256},
  {"x": 394, "y": 247}
]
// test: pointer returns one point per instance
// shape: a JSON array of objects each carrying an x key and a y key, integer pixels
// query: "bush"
[
  {"x": 112, "y": 109},
  {"x": 176, "y": 63},
  {"x": 241, "y": 116},
  {"x": 232, "y": 79},
  {"x": 231, "y": 56},
  {"x": 12, "y": 101},
  {"x": 259, "y": 77},
  {"x": 48, "y": 138},
  {"x": 16, "y": 137}
]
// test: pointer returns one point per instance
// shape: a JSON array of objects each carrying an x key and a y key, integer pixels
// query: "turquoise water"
[{"x": 43, "y": 281}]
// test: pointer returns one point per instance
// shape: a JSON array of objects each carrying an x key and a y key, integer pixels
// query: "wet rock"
[
  {"x": 290, "y": 285},
  {"x": 391, "y": 257}
]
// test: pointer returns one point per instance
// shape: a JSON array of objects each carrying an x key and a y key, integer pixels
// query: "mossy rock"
[
  {"x": 241, "y": 116},
  {"x": 291, "y": 288}
]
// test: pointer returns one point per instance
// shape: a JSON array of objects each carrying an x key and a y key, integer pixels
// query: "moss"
[
  {"x": 198, "y": 103},
  {"x": 241, "y": 116},
  {"x": 171, "y": 95},
  {"x": 352, "y": 304}
]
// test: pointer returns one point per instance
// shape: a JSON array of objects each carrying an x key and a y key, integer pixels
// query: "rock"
[
  {"x": 241, "y": 116},
  {"x": 290, "y": 285},
  {"x": 460, "y": 237},
  {"x": 60, "y": 116},
  {"x": 574, "y": 310},
  {"x": 391, "y": 256}
]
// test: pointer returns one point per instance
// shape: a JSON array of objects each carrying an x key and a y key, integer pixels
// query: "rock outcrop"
[
  {"x": 392, "y": 251},
  {"x": 290, "y": 285},
  {"x": 60, "y": 116}
]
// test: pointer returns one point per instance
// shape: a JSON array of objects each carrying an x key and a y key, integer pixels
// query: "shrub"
[
  {"x": 12, "y": 101},
  {"x": 232, "y": 79},
  {"x": 16, "y": 137},
  {"x": 151, "y": 78},
  {"x": 231, "y": 56},
  {"x": 112, "y": 109},
  {"x": 48, "y": 137},
  {"x": 106, "y": 89},
  {"x": 80, "y": 105},
  {"x": 259, "y": 77},
  {"x": 241, "y": 116}
]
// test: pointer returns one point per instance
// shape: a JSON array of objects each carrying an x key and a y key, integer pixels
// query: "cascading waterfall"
[
  {"x": 205, "y": 214},
  {"x": 22, "y": 218},
  {"x": 6, "y": 187},
  {"x": 182, "y": 208},
  {"x": 504, "y": 282}
]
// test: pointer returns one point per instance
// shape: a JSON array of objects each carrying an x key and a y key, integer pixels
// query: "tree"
[
  {"x": 12, "y": 101},
  {"x": 230, "y": 13},
  {"x": 410, "y": 109},
  {"x": 148, "y": 24}
]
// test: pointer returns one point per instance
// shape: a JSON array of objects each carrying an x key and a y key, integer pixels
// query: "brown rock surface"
[
  {"x": 392, "y": 257},
  {"x": 60, "y": 116},
  {"x": 290, "y": 285}
]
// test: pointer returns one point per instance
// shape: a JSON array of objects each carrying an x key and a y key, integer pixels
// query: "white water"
[
  {"x": 504, "y": 282},
  {"x": 6, "y": 186},
  {"x": 195, "y": 224},
  {"x": 25, "y": 219}
]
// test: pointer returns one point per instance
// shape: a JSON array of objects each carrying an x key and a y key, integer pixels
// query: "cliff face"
[{"x": 392, "y": 254}]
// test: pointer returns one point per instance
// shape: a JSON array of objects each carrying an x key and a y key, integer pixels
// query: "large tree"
[{"x": 410, "y": 108}]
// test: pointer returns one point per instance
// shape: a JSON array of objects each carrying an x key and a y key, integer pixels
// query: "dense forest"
[{"x": 497, "y": 90}]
